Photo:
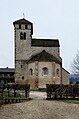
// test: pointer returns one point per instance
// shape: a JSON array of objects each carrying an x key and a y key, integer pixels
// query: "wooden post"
[
  {"x": 8, "y": 91},
  {"x": 26, "y": 92},
  {"x": 14, "y": 93}
]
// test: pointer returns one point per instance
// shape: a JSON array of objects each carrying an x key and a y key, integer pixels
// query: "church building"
[{"x": 37, "y": 61}]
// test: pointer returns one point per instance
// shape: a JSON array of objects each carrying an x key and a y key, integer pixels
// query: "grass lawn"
[
  {"x": 11, "y": 95},
  {"x": 72, "y": 101}
]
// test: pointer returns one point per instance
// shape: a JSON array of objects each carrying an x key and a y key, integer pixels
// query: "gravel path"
[{"x": 40, "y": 109}]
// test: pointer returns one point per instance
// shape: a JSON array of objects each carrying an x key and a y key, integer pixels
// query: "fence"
[
  {"x": 8, "y": 92},
  {"x": 56, "y": 91}
]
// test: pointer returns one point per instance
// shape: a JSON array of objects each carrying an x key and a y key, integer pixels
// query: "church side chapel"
[{"x": 37, "y": 61}]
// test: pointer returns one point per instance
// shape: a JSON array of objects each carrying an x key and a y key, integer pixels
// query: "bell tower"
[{"x": 23, "y": 31}]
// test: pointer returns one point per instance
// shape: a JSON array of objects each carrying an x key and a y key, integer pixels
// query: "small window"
[
  {"x": 21, "y": 66},
  {"x": 30, "y": 71},
  {"x": 26, "y": 26},
  {"x": 22, "y": 36},
  {"x": 22, "y": 77},
  {"x": 19, "y": 26},
  {"x": 45, "y": 71},
  {"x": 57, "y": 72}
]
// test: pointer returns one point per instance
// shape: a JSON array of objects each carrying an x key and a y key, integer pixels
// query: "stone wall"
[
  {"x": 23, "y": 47},
  {"x": 41, "y": 80},
  {"x": 52, "y": 50},
  {"x": 65, "y": 76}
]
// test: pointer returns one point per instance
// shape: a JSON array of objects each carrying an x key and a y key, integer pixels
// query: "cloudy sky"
[{"x": 51, "y": 19}]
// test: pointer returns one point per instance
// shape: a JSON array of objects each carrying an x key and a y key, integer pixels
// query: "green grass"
[
  {"x": 5, "y": 95},
  {"x": 15, "y": 98},
  {"x": 72, "y": 101}
]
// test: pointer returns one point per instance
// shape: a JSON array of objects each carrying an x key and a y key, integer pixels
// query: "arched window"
[
  {"x": 21, "y": 66},
  {"x": 22, "y": 36},
  {"x": 22, "y": 77},
  {"x": 30, "y": 71},
  {"x": 57, "y": 72},
  {"x": 45, "y": 71}
]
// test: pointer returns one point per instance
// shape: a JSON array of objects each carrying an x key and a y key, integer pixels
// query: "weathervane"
[{"x": 23, "y": 15}]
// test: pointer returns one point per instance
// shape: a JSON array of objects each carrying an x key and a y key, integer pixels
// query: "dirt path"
[
  {"x": 37, "y": 95},
  {"x": 40, "y": 109}
]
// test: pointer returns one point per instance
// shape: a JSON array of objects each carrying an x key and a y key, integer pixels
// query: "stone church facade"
[{"x": 37, "y": 61}]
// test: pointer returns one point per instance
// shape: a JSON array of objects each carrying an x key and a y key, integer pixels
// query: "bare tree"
[{"x": 75, "y": 64}]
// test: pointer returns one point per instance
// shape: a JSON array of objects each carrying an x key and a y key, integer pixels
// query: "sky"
[{"x": 51, "y": 19}]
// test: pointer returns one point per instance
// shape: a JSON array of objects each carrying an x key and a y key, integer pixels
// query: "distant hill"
[{"x": 74, "y": 78}]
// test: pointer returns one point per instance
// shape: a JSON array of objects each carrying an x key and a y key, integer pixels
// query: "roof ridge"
[
  {"x": 43, "y": 56},
  {"x": 23, "y": 20}
]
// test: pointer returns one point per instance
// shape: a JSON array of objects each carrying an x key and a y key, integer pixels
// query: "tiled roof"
[
  {"x": 45, "y": 42},
  {"x": 43, "y": 56},
  {"x": 22, "y": 21},
  {"x": 7, "y": 70}
]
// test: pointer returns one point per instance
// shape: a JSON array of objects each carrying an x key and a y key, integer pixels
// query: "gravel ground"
[{"x": 40, "y": 109}]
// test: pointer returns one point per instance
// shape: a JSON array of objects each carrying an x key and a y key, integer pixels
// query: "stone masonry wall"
[
  {"x": 65, "y": 77},
  {"x": 42, "y": 80}
]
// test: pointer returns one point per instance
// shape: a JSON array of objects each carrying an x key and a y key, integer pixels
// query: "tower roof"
[
  {"x": 44, "y": 56},
  {"x": 45, "y": 42},
  {"x": 22, "y": 21}
]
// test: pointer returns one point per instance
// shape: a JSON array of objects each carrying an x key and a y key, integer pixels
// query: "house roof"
[
  {"x": 22, "y": 21},
  {"x": 43, "y": 56},
  {"x": 7, "y": 70},
  {"x": 45, "y": 43}
]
